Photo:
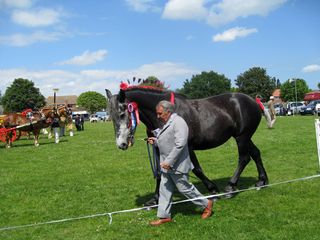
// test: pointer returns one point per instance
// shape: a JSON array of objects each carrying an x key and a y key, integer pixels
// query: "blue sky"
[{"x": 80, "y": 46}]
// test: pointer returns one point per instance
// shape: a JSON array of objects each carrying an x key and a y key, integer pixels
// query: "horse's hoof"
[
  {"x": 153, "y": 201},
  {"x": 214, "y": 198},
  {"x": 230, "y": 191},
  {"x": 260, "y": 184}
]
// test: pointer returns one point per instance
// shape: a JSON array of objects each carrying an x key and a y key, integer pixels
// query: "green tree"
[
  {"x": 205, "y": 84},
  {"x": 256, "y": 81},
  {"x": 278, "y": 83},
  {"x": 318, "y": 86},
  {"x": 92, "y": 101},
  {"x": 22, "y": 94},
  {"x": 291, "y": 86}
]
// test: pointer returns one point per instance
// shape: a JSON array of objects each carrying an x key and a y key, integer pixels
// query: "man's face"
[{"x": 163, "y": 115}]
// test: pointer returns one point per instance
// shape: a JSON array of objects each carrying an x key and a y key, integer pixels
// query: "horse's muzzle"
[{"x": 123, "y": 146}]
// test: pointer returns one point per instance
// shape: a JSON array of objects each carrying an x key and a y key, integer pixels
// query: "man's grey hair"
[{"x": 167, "y": 106}]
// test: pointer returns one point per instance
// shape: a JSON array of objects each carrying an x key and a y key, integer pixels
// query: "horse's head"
[
  {"x": 64, "y": 111},
  {"x": 121, "y": 116},
  {"x": 47, "y": 114}
]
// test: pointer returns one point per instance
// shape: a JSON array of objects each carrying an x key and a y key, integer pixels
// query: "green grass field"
[{"x": 86, "y": 174}]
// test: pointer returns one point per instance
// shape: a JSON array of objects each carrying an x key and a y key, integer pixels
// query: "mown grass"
[{"x": 86, "y": 174}]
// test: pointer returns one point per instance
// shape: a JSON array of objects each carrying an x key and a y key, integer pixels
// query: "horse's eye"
[{"x": 122, "y": 115}]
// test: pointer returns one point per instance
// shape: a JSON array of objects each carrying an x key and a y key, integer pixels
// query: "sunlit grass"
[{"x": 86, "y": 174}]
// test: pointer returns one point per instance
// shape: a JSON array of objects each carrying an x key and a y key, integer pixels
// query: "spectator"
[
  {"x": 63, "y": 120},
  {"x": 272, "y": 111},
  {"x": 78, "y": 122},
  {"x": 56, "y": 126},
  {"x": 82, "y": 122}
]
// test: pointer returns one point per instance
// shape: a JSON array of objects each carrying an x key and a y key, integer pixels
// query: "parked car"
[
  {"x": 318, "y": 109},
  {"x": 280, "y": 110},
  {"x": 294, "y": 107},
  {"x": 310, "y": 108},
  {"x": 103, "y": 116},
  {"x": 94, "y": 118}
]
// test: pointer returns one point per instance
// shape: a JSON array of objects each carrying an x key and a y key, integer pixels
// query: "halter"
[
  {"x": 134, "y": 113},
  {"x": 134, "y": 116}
]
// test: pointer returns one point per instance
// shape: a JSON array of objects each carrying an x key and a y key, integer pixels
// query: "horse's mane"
[{"x": 148, "y": 88}]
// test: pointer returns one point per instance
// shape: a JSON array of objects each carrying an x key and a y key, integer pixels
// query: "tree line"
[{"x": 23, "y": 94}]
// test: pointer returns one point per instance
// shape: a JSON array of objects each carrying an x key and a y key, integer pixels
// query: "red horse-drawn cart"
[
  {"x": 13, "y": 133},
  {"x": 8, "y": 133}
]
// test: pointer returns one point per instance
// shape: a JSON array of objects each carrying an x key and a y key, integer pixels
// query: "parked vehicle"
[
  {"x": 294, "y": 107},
  {"x": 103, "y": 116},
  {"x": 318, "y": 109},
  {"x": 280, "y": 110},
  {"x": 85, "y": 115},
  {"x": 94, "y": 118},
  {"x": 310, "y": 108}
]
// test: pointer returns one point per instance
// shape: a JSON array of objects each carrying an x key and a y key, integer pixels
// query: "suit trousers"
[{"x": 167, "y": 186}]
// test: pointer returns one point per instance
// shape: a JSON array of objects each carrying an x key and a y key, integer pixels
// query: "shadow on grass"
[{"x": 244, "y": 182}]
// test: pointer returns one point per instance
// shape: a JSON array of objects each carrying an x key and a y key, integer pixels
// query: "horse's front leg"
[
  {"x": 8, "y": 140},
  {"x": 8, "y": 143},
  {"x": 197, "y": 170},
  {"x": 36, "y": 138},
  {"x": 244, "y": 159}
]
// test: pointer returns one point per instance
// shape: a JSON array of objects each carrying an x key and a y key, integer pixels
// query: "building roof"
[
  {"x": 314, "y": 95},
  {"x": 68, "y": 100}
]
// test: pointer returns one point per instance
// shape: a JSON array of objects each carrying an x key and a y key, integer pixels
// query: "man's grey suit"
[{"x": 172, "y": 141}]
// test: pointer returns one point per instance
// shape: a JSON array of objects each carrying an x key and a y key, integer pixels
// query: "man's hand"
[
  {"x": 165, "y": 165},
  {"x": 151, "y": 140}
]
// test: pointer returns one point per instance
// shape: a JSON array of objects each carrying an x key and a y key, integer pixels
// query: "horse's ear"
[
  {"x": 109, "y": 94},
  {"x": 121, "y": 96}
]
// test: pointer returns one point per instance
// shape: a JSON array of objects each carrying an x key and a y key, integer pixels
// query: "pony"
[
  {"x": 32, "y": 121},
  {"x": 211, "y": 121}
]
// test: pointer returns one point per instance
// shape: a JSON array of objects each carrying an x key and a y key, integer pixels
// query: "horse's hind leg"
[
  {"x": 255, "y": 155},
  {"x": 197, "y": 170},
  {"x": 244, "y": 159}
]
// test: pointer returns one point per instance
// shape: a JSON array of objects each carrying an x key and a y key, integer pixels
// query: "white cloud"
[
  {"x": 181, "y": 9},
  {"x": 21, "y": 40},
  {"x": 220, "y": 13},
  {"x": 229, "y": 10},
  {"x": 36, "y": 18},
  {"x": 311, "y": 68},
  {"x": 95, "y": 80},
  {"x": 233, "y": 33},
  {"x": 143, "y": 5},
  {"x": 86, "y": 58},
  {"x": 16, "y": 3}
]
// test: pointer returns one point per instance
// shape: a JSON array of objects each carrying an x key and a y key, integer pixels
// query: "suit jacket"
[{"x": 172, "y": 141}]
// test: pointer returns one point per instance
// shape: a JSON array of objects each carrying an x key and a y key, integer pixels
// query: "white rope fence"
[{"x": 149, "y": 207}]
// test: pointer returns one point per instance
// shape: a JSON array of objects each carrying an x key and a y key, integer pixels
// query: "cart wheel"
[
  {"x": 18, "y": 134},
  {"x": 13, "y": 136},
  {"x": 3, "y": 134}
]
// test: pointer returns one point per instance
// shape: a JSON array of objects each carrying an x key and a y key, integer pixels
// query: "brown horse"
[{"x": 32, "y": 122}]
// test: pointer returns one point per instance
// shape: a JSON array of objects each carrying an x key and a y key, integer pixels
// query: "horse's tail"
[{"x": 267, "y": 116}]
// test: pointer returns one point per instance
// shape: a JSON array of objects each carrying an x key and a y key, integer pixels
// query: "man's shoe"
[
  {"x": 160, "y": 221},
  {"x": 207, "y": 211}
]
